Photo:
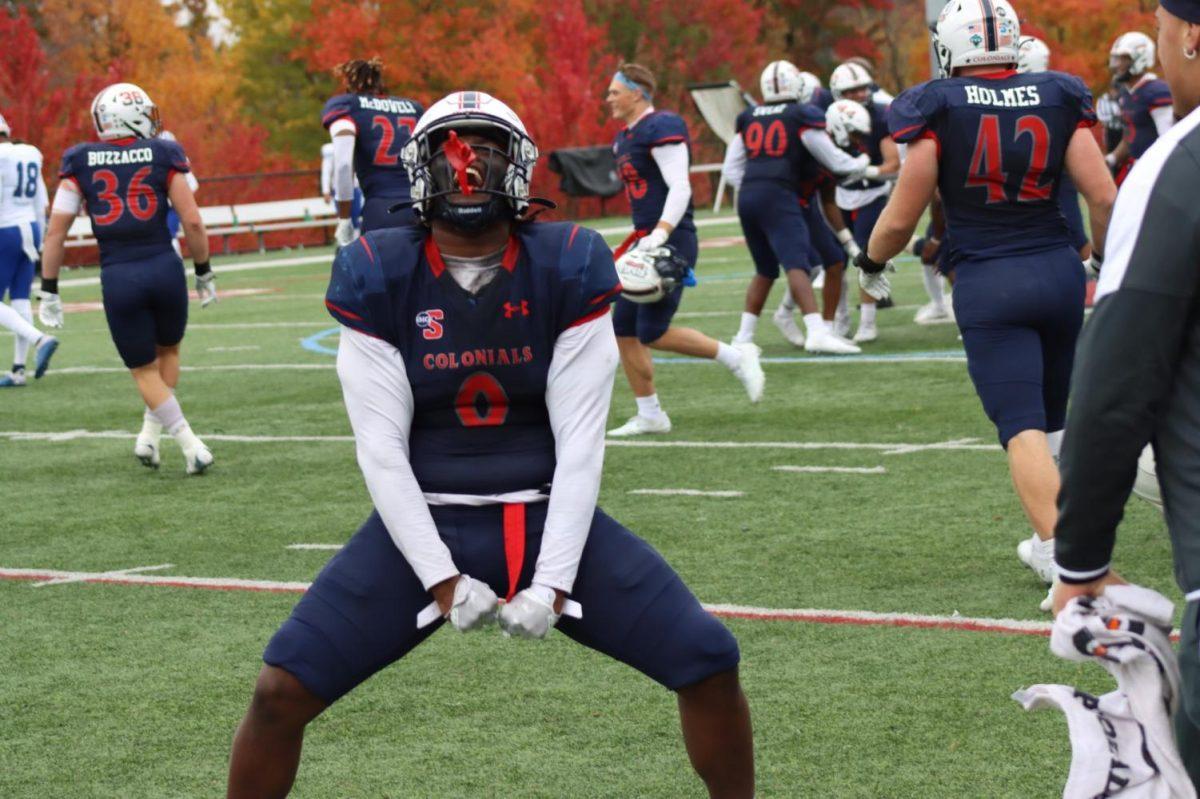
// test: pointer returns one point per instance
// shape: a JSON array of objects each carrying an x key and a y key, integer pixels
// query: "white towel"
[{"x": 1122, "y": 743}]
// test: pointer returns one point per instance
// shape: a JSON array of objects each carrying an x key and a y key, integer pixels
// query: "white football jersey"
[{"x": 22, "y": 188}]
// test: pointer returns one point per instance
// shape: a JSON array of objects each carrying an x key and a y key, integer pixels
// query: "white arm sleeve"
[
  {"x": 67, "y": 199},
  {"x": 326, "y": 171},
  {"x": 833, "y": 158},
  {"x": 734, "y": 167},
  {"x": 343, "y": 167},
  {"x": 379, "y": 402},
  {"x": 40, "y": 202},
  {"x": 578, "y": 392},
  {"x": 1164, "y": 118},
  {"x": 672, "y": 160}
]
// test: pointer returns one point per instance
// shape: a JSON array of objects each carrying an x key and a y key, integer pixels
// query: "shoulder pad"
[
  {"x": 911, "y": 114},
  {"x": 69, "y": 160},
  {"x": 173, "y": 153},
  {"x": 370, "y": 278},
  {"x": 809, "y": 115},
  {"x": 664, "y": 127},
  {"x": 337, "y": 107},
  {"x": 586, "y": 277}
]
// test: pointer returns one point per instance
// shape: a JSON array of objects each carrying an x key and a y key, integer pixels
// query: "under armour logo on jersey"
[
  {"x": 430, "y": 323},
  {"x": 511, "y": 309}
]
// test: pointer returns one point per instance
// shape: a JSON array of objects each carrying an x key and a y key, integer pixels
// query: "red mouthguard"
[{"x": 460, "y": 156}]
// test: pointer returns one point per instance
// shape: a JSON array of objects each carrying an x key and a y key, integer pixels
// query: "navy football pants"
[
  {"x": 1020, "y": 318},
  {"x": 360, "y": 614},
  {"x": 146, "y": 305},
  {"x": 775, "y": 229},
  {"x": 649, "y": 321},
  {"x": 825, "y": 250}
]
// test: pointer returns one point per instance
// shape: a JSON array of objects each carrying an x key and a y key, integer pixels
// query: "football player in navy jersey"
[
  {"x": 369, "y": 128},
  {"x": 477, "y": 359},
  {"x": 1034, "y": 56},
  {"x": 1145, "y": 103},
  {"x": 774, "y": 162},
  {"x": 994, "y": 144},
  {"x": 128, "y": 180},
  {"x": 653, "y": 158},
  {"x": 862, "y": 128}
]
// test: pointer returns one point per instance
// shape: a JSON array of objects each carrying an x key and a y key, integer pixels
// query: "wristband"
[
  {"x": 845, "y": 236},
  {"x": 202, "y": 267},
  {"x": 1111, "y": 159},
  {"x": 864, "y": 262},
  {"x": 50, "y": 285}
]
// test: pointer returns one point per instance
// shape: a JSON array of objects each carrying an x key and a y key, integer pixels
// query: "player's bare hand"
[{"x": 1063, "y": 593}]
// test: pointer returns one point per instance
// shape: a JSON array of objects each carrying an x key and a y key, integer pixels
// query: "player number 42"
[{"x": 987, "y": 168}]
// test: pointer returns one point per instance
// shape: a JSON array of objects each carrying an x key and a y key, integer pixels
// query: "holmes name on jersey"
[
  {"x": 142, "y": 155},
  {"x": 387, "y": 105},
  {"x": 1018, "y": 97},
  {"x": 468, "y": 359}
]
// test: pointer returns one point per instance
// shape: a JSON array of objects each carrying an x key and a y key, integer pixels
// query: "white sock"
[
  {"x": 843, "y": 306},
  {"x": 1044, "y": 548},
  {"x": 170, "y": 416},
  {"x": 787, "y": 304},
  {"x": 747, "y": 328},
  {"x": 933, "y": 286},
  {"x": 16, "y": 323},
  {"x": 1055, "y": 440},
  {"x": 866, "y": 316},
  {"x": 731, "y": 357},
  {"x": 814, "y": 324},
  {"x": 649, "y": 407},
  {"x": 21, "y": 344},
  {"x": 151, "y": 427}
]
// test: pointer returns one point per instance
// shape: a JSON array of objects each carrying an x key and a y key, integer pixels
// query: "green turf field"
[{"x": 112, "y": 690}]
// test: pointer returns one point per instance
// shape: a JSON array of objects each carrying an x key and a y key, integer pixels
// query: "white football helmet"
[
  {"x": 428, "y": 159},
  {"x": 848, "y": 77},
  {"x": 809, "y": 83},
  {"x": 122, "y": 110},
  {"x": 1032, "y": 55},
  {"x": 780, "y": 82},
  {"x": 845, "y": 118},
  {"x": 4, "y": 128},
  {"x": 975, "y": 33},
  {"x": 1140, "y": 49}
]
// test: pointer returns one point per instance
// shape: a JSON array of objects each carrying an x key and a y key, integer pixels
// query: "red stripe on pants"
[{"x": 514, "y": 545}]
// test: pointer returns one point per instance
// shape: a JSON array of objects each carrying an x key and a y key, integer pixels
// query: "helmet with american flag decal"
[{"x": 976, "y": 33}]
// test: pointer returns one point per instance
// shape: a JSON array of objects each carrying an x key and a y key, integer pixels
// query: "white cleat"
[
  {"x": 749, "y": 371},
  {"x": 786, "y": 322},
  {"x": 12, "y": 380},
  {"x": 643, "y": 425},
  {"x": 933, "y": 314},
  {"x": 1038, "y": 555},
  {"x": 818, "y": 282},
  {"x": 866, "y": 333},
  {"x": 146, "y": 451},
  {"x": 829, "y": 344},
  {"x": 198, "y": 460}
]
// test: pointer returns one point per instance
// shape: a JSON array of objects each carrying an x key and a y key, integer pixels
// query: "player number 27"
[
  {"x": 387, "y": 137},
  {"x": 986, "y": 162}
]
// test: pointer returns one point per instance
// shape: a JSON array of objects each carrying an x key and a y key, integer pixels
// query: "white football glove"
[
  {"x": 206, "y": 289},
  {"x": 1091, "y": 267},
  {"x": 474, "y": 604},
  {"x": 530, "y": 614},
  {"x": 875, "y": 284},
  {"x": 652, "y": 240},
  {"x": 345, "y": 232},
  {"x": 50, "y": 310},
  {"x": 846, "y": 238}
]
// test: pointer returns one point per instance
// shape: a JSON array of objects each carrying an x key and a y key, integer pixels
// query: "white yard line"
[
  {"x": 960, "y": 445},
  {"x": 231, "y": 367},
  {"x": 686, "y": 492},
  {"x": 222, "y": 269},
  {"x": 246, "y": 348},
  {"x": 809, "y": 615},
  {"x": 329, "y": 547},
  {"x": 78, "y": 577},
  {"x": 830, "y": 469}
]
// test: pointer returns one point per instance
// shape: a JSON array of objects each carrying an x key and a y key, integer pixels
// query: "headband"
[
  {"x": 624, "y": 80},
  {"x": 1186, "y": 10}
]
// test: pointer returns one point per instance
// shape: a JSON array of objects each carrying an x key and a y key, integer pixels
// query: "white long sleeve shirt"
[
  {"x": 817, "y": 142},
  {"x": 379, "y": 402}
]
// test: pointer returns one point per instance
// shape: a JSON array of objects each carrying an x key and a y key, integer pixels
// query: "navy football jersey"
[
  {"x": 125, "y": 185},
  {"x": 873, "y": 143},
  {"x": 1136, "y": 105},
  {"x": 383, "y": 125},
  {"x": 774, "y": 151},
  {"x": 477, "y": 363},
  {"x": 822, "y": 98},
  {"x": 644, "y": 184},
  {"x": 1002, "y": 141}
]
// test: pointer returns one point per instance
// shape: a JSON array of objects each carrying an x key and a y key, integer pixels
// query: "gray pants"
[{"x": 1187, "y": 720}]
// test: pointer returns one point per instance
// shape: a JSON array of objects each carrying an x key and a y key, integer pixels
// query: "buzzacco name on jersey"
[
  {"x": 142, "y": 155},
  {"x": 387, "y": 104}
]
